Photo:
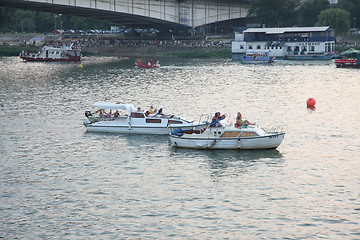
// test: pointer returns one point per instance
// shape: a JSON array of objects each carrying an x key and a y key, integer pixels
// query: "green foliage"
[
  {"x": 6, "y": 50},
  {"x": 353, "y": 7},
  {"x": 337, "y": 19},
  {"x": 273, "y": 13},
  {"x": 309, "y": 11},
  {"x": 19, "y": 20},
  {"x": 7, "y": 18}
]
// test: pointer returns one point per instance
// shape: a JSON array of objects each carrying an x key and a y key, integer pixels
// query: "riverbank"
[{"x": 132, "y": 51}]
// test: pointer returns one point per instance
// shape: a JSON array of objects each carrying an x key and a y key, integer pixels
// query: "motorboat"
[
  {"x": 148, "y": 64},
  {"x": 53, "y": 54},
  {"x": 345, "y": 62},
  {"x": 226, "y": 137},
  {"x": 125, "y": 118}
]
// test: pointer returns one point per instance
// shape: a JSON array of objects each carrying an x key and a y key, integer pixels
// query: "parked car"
[{"x": 58, "y": 31}]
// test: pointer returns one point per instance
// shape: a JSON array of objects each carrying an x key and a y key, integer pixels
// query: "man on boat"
[{"x": 216, "y": 120}]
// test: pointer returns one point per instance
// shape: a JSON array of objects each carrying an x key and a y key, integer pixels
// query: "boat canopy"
[{"x": 104, "y": 105}]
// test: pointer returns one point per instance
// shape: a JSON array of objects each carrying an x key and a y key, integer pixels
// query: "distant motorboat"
[
  {"x": 148, "y": 65},
  {"x": 249, "y": 137},
  {"x": 345, "y": 62},
  {"x": 260, "y": 56},
  {"x": 133, "y": 121},
  {"x": 53, "y": 54}
]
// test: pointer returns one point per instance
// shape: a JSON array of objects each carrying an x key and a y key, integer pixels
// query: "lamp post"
[{"x": 354, "y": 23}]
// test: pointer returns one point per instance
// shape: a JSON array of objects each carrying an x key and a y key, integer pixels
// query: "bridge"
[{"x": 159, "y": 13}]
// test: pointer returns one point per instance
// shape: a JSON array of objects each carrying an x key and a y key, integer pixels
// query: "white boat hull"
[
  {"x": 216, "y": 139},
  {"x": 122, "y": 126},
  {"x": 103, "y": 128},
  {"x": 233, "y": 143}
]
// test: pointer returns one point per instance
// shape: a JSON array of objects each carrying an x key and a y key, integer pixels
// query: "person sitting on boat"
[
  {"x": 151, "y": 62},
  {"x": 117, "y": 114},
  {"x": 152, "y": 110},
  {"x": 217, "y": 117},
  {"x": 101, "y": 112},
  {"x": 160, "y": 112},
  {"x": 239, "y": 123},
  {"x": 139, "y": 109}
]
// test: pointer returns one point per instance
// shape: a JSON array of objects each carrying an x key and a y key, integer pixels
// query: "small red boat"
[
  {"x": 53, "y": 54},
  {"x": 147, "y": 65},
  {"x": 348, "y": 62}
]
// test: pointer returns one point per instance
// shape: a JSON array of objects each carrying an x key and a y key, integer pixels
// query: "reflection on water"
[
  {"x": 222, "y": 163},
  {"x": 58, "y": 181}
]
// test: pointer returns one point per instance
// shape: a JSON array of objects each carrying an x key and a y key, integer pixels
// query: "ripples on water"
[{"x": 57, "y": 181}]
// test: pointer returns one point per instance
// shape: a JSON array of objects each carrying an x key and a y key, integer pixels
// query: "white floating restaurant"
[{"x": 292, "y": 43}]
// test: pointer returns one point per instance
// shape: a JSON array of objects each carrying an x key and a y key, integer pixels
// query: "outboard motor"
[{"x": 88, "y": 114}]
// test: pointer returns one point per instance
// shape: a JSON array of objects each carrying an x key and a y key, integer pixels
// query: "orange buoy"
[{"x": 310, "y": 102}]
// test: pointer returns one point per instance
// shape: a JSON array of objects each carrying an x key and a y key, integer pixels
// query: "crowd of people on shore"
[
  {"x": 99, "y": 42},
  {"x": 157, "y": 43}
]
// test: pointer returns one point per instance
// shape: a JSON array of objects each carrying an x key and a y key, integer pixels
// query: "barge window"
[
  {"x": 250, "y": 47},
  {"x": 137, "y": 115},
  {"x": 174, "y": 122},
  {"x": 241, "y": 46},
  {"x": 152, "y": 120},
  {"x": 258, "y": 47}
]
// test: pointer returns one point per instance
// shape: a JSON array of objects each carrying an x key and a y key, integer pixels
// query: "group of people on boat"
[
  {"x": 152, "y": 112},
  {"x": 102, "y": 113},
  {"x": 239, "y": 122},
  {"x": 147, "y": 65}
]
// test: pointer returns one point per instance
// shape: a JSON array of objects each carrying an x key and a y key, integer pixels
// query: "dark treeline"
[{"x": 18, "y": 20}]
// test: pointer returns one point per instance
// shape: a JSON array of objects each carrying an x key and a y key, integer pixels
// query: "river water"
[{"x": 59, "y": 182}]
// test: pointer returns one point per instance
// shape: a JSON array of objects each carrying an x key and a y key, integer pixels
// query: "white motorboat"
[
  {"x": 53, "y": 54},
  {"x": 131, "y": 120},
  {"x": 249, "y": 137}
]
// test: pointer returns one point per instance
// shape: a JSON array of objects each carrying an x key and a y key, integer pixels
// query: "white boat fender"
[
  {"x": 129, "y": 122},
  {"x": 239, "y": 143}
]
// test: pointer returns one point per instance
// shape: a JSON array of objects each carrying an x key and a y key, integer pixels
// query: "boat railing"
[
  {"x": 205, "y": 118},
  {"x": 275, "y": 129}
]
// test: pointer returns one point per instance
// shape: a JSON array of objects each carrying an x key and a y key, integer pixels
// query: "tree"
[
  {"x": 26, "y": 25},
  {"x": 337, "y": 19},
  {"x": 7, "y": 18},
  {"x": 273, "y": 13},
  {"x": 309, "y": 12},
  {"x": 353, "y": 7},
  {"x": 44, "y": 22}
]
